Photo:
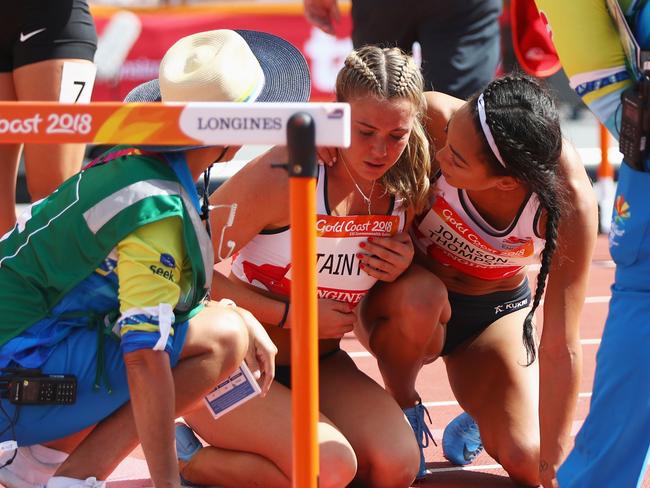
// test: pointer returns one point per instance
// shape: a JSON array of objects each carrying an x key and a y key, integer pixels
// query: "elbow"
[
  {"x": 144, "y": 362},
  {"x": 561, "y": 352}
]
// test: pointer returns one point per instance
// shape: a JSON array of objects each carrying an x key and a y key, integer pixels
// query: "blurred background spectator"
[
  {"x": 124, "y": 59},
  {"x": 46, "y": 54}
]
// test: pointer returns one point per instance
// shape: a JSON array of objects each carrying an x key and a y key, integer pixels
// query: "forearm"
[
  {"x": 560, "y": 351},
  {"x": 559, "y": 387},
  {"x": 152, "y": 400},
  {"x": 265, "y": 309}
]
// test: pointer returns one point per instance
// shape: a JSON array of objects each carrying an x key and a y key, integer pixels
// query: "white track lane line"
[
  {"x": 601, "y": 299},
  {"x": 477, "y": 467}
]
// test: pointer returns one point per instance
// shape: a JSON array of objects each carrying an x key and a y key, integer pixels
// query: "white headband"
[{"x": 480, "y": 105}]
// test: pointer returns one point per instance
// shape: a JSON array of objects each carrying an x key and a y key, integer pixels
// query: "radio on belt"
[{"x": 31, "y": 387}]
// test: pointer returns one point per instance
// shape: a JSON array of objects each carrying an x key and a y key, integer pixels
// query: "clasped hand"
[
  {"x": 385, "y": 258},
  {"x": 261, "y": 349},
  {"x": 335, "y": 319}
]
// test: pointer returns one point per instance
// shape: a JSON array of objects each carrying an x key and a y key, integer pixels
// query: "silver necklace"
[{"x": 368, "y": 198}]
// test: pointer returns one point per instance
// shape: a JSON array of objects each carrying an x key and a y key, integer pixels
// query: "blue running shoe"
[
  {"x": 415, "y": 416},
  {"x": 187, "y": 445},
  {"x": 461, "y": 440}
]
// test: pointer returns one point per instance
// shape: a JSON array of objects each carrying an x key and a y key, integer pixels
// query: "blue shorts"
[
  {"x": 76, "y": 354},
  {"x": 613, "y": 444}
]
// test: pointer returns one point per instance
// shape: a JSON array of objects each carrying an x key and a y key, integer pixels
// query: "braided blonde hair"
[{"x": 389, "y": 73}]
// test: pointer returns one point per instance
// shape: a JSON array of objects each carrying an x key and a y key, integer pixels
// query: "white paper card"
[
  {"x": 238, "y": 388},
  {"x": 8, "y": 446},
  {"x": 77, "y": 80}
]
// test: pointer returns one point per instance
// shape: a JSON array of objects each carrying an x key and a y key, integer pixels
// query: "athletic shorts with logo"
[
  {"x": 472, "y": 314},
  {"x": 39, "y": 30}
]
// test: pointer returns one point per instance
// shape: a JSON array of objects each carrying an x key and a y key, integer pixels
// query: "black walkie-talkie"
[
  {"x": 31, "y": 387},
  {"x": 635, "y": 124}
]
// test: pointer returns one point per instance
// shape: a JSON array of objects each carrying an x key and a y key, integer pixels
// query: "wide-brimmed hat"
[{"x": 227, "y": 66}]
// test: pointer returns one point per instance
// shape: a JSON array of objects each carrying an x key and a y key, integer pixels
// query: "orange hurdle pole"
[
  {"x": 604, "y": 186},
  {"x": 302, "y": 169},
  {"x": 605, "y": 169}
]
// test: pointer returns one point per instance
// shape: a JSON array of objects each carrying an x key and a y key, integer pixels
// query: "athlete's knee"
[
  {"x": 338, "y": 465},
  {"x": 390, "y": 465},
  {"x": 224, "y": 335},
  {"x": 421, "y": 310},
  {"x": 521, "y": 463},
  {"x": 427, "y": 295},
  {"x": 39, "y": 189}
]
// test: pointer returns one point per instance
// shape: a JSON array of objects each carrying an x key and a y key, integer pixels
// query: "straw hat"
[{"x": 227, "y": 66}]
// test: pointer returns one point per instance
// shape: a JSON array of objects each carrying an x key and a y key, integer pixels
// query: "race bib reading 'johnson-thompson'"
[{"x": 445, "y": 236}]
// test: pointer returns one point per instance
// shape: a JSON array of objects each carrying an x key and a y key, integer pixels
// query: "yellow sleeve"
[
  {"x": 584, "y": 35},
  {"x": 149, "y": 271},
  {"x": 590, "y": 49}
]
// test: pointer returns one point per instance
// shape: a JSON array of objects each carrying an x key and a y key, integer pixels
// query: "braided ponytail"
[
  {"x": 552, "y": 224},
  {"x": 525, "y": 125}
]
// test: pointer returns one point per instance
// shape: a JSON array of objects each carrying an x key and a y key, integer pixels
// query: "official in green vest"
[{"x": 107, "y": 279}]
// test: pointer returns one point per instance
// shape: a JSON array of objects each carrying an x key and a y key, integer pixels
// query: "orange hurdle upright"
[
  {"x": 604, "y": 186},
  {"x": 605, "y": 169},
  {"x": 304, "y": 303}
]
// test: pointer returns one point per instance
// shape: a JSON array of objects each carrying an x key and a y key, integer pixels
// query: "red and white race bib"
[{"x": 446, "y": 237}]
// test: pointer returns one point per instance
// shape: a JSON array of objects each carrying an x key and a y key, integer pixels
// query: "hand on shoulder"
[{"x": 440, "y": 108}]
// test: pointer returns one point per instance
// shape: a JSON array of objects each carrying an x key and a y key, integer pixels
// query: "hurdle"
[
  {"x": 604, "y": 186},
  {"x": 299, "y": 126}
]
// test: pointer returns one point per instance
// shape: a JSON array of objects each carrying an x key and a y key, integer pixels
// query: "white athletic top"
[
  {"x": 266, "y": 260},
  {"x": 453, "y": 233}
]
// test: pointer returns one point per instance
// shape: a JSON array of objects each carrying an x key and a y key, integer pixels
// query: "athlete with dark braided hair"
[{"x": 508, "y": 193}]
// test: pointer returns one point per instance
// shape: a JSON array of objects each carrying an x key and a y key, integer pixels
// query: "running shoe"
[
  {"x": 32, "y": 466},
  {"x": 65, "y": 482},
  {"x": 415, "y": 416},
  {"x": 187, "y": 445},
  {"x": 461, "y": 440}
]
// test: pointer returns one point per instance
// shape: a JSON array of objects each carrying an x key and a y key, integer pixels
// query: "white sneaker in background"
[
  {"x": 65, "y": 482},
  {"x": 33, "y": 466}
]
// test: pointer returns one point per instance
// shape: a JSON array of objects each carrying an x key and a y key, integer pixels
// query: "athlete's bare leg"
[
  {"x": 9, "y": 154},
  {"x": 46, "y": 165},
  {"x": 387, "y": 452},
  {"x": 251, "y": 446},
  {"x": 492, "y": 384},
  {"x": 403, "y": 326}
]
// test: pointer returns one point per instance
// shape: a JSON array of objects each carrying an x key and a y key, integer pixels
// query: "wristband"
[{"x": 283, "y": 320}]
